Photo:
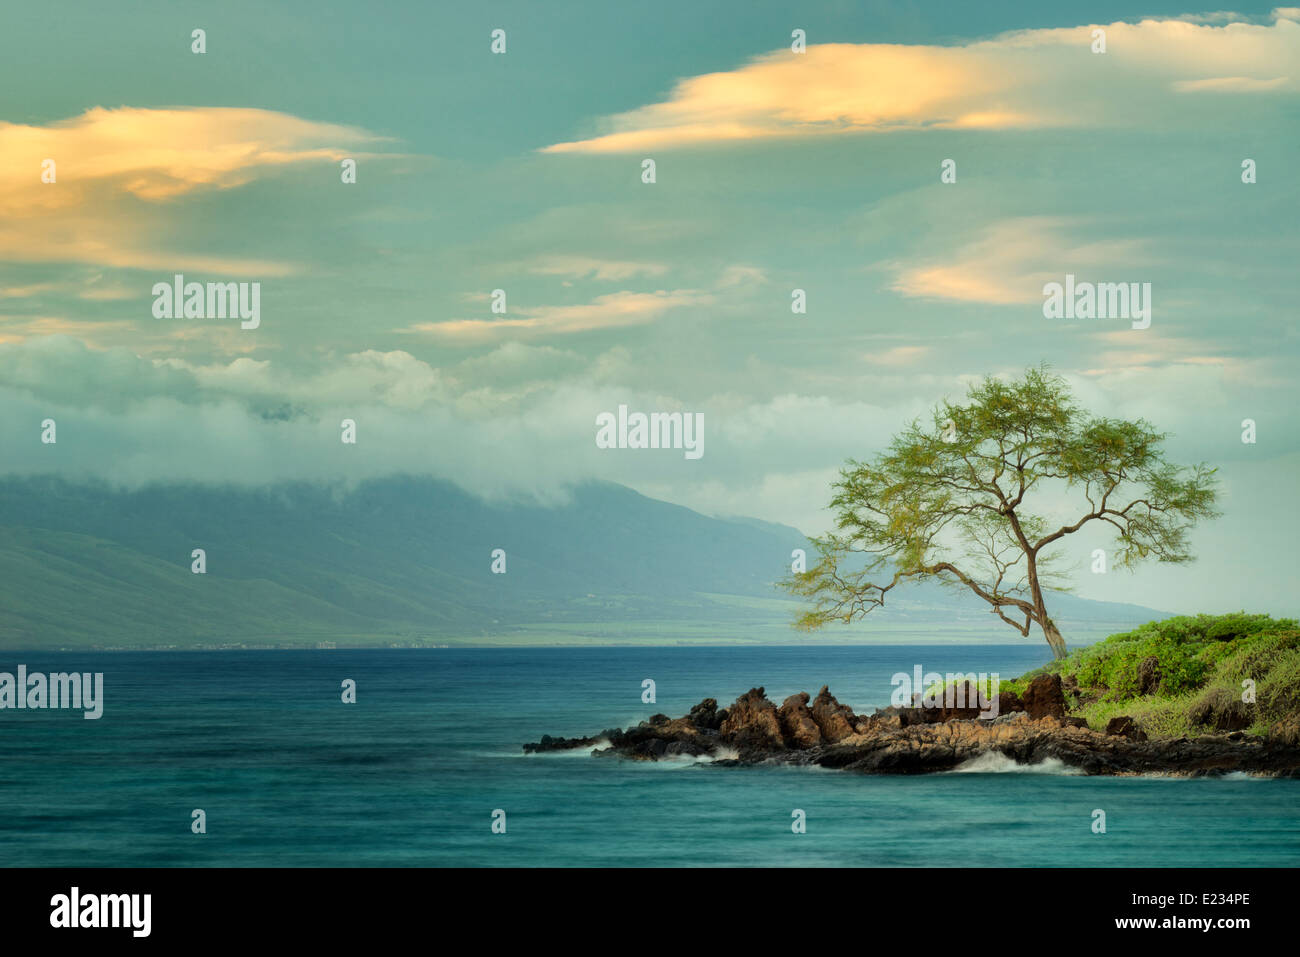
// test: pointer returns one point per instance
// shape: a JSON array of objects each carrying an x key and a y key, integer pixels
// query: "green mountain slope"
[{"x": 399, "y": 560}]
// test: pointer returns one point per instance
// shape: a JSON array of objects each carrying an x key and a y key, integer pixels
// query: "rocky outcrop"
[
  {"x": 1044, "y": 697},
  {"x": 960, "y": 702},
  {"x": 797, "y": 725},
  {"x": 835, "y": 721},
  {"x": 1125, "y": 727},
  {"x": 752, "y": 722},
  {"x": 1009, "y": 702},
  {"x": 706, "y": 715},
  {"x": 897, "y": 741}
]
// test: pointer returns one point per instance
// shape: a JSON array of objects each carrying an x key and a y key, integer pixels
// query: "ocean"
[{"x": 288, "y": 775}]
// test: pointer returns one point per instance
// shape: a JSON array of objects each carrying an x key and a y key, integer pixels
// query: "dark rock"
[
  {"x": 1044, "y": 698},
  {"x": 1125, "y": 727},
  {"x": 705, "y": 715},
  {"x": 914, "y": 741},
  {"x": 1220, "y": 710},
  {"x": 909, "y": 717},
  {"x": 960, "y": 703},
  {"x": 1009, "y": 702},
  {"x": 1075, "y": 723},
  {"x": 549, "y": 743}
]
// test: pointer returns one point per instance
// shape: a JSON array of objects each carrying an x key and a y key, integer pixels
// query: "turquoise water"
[{"x": 410, "y": 774}]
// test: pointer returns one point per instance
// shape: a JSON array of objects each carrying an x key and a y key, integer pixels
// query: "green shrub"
[{"x": 1203, "y": 660}]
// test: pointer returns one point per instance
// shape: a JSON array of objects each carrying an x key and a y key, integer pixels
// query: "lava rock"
[
  {"x": 1125, "y": 727},
  {"x": 1044, "y": 697}
]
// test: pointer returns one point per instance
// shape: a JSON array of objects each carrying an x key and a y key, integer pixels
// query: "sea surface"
[{"x": 410, "y": 775}]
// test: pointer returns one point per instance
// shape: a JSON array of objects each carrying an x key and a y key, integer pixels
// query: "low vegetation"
[{"x": 1186, "y": 676}]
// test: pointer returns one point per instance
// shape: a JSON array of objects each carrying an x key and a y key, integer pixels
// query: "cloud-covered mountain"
[{"x": 407, "y": 560}]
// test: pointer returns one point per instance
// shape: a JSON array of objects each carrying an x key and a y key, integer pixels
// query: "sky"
[{"x": 775, "y": 170}]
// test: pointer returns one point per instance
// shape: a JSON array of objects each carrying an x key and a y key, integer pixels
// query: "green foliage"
[
  {"x": 1203, "y": 660},
  {"x": 1158, "y": 717},
  {"x": 1236, "y": 625},
  {"x": 958, "y": 499}
]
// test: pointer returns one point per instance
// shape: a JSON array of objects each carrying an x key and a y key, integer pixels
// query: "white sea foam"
[
  {"x": 1244, "y": 776},
  {"x": 994, "y": 762}
]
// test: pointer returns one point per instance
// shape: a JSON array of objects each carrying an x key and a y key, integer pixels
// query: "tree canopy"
[{"x": 984, "y": 495}]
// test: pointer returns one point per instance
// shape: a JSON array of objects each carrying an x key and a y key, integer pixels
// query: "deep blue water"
[{"x": 410, "y": 775}]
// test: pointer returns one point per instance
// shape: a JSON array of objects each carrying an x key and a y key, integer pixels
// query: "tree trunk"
[{"x": 1054, "y": 638}]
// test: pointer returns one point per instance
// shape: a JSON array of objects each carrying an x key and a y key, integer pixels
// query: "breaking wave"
[{"x": 994, "y": 762}]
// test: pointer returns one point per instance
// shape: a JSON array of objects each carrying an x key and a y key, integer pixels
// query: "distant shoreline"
[{"x": 505, "y": 646}]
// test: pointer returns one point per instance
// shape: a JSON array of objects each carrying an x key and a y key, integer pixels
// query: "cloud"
[
  {"x": 1025, "y": 79},
  {"x": 898, "y": 356},
  {"x": 582, "y": 267},
  {"x": 741, "y": 275},
  {"x": 1232, "y": 84},
  {"x": 611, "y": 311},
  {"x": 1012, "y": 259},
  {"x": 18, "y": 328},
  {"x": 116, "y": 170}
]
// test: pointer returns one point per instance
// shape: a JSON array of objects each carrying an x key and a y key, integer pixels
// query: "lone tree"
[{"x": 953, "y": 502}]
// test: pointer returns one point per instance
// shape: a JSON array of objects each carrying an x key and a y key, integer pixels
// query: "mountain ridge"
[{"x": 403, "y": 560}]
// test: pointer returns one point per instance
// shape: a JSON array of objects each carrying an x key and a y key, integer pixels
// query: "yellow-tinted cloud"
[
  {"x": 604, "y": 312},
  {"x": 111, "y": 166},
  {"x": 898, "y": 356},
  {"x": 1026, "y": 79},
  {"x": 1012, "y": 259},
  {"x": 19, "y": 328},
  {"x": 1232, "y": 84}
]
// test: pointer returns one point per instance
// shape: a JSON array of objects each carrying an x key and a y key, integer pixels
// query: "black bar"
[{"x": 337, "y": 906}]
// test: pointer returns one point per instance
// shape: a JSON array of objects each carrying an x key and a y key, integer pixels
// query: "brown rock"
[
  {"x": 1044, "y": 697},
  {"x": 797, "y": 724},
  {"x": 1125, "y": 727},
  {"x": 1009, "y": 702},
  {"x": 877, "y": 722},
  {"x": 753, "y": 722},
  {"x": 835, "y": 721},
  {"x": 960, "y": 703},
  {"x": 886, "y": 744},
  {"x": 1075, "y": 723}
]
